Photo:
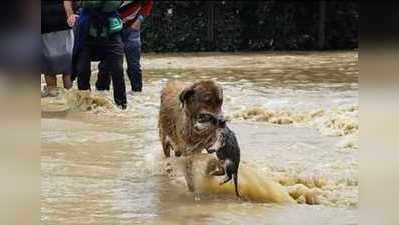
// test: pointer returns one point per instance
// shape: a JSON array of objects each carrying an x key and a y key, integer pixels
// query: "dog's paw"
[
  {"x": 225, "y": 180},
  {"x": 169, "y": 169}
]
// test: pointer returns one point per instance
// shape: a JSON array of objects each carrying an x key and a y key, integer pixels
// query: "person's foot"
[
  {"x": 122, "y": 106},
  {"x": 46, "y": 92}
]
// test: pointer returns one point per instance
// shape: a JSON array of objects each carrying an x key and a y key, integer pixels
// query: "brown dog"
[{"x": 186, "y": 116}]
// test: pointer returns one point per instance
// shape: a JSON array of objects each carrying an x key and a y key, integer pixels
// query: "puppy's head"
[{"x": 202, "y": 102}]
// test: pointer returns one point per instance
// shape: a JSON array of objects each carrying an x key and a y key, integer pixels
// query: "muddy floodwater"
[{"x": 296, "y": 120}]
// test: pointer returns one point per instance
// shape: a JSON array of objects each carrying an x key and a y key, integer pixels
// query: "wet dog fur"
[{"x": 185, "y": 116}]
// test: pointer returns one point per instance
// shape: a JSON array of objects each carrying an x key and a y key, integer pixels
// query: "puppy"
[
  {"x": 186, "y": 114},
  {"x": 228, "y": 152}
]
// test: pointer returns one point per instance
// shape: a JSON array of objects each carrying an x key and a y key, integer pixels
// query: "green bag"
[{"x": 113, "y": 25}]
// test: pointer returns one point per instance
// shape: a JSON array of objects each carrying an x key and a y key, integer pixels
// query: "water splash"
[
  {"x": 252, "y": 186},
  {"x": 335, "y": 122},
  {"x": 75, "y": 100}
]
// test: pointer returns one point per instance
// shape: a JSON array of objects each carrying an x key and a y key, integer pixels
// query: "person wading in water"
[
  {"x": 98, "y": 38},
  {"x": 133, "y": 14}
]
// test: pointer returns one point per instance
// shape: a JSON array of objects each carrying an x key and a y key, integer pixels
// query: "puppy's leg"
[
  {"x": 218, "y": 172},
  {"x": 219, "y": 169},
  {"x": 235, "y": 177},
  {"x": 228, "y": 165},
  {"x": 228, "y": 178}
]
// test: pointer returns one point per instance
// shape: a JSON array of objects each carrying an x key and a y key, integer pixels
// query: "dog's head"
[{"x": 202, "y": 102}]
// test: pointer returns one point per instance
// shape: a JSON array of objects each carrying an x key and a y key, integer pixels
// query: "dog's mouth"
[
  {"x": 207, "y": 120},
  {"x": 203, "y": 122},
  {"x": 205, "y": 117},
  {"x": 207, "y": 125}
]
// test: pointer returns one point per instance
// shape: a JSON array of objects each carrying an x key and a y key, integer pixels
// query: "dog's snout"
[{"x": 221, "y": 121}]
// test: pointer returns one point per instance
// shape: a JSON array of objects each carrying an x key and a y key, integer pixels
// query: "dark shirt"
[{"x": 53, "y": 16}]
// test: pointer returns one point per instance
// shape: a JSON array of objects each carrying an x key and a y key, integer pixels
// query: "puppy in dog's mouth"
[{"x": 207, "y": 121}]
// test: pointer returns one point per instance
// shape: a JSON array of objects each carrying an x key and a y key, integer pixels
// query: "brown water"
[{"x": 295, "y": 115}]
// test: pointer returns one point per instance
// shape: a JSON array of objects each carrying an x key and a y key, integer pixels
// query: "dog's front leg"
[{"x": 188, "y": 174}]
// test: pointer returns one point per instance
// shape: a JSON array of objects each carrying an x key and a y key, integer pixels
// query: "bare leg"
[
  {"x": 51, "y": 85},
  {"x": 51, "y": 81},
  {"x": 66, "y": 78}
]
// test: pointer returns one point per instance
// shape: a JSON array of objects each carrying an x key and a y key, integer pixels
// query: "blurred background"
[{"x": 191, "y": 26}]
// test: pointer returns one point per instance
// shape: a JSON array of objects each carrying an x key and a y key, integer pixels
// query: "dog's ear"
[{"x": 185, "y": 95}]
